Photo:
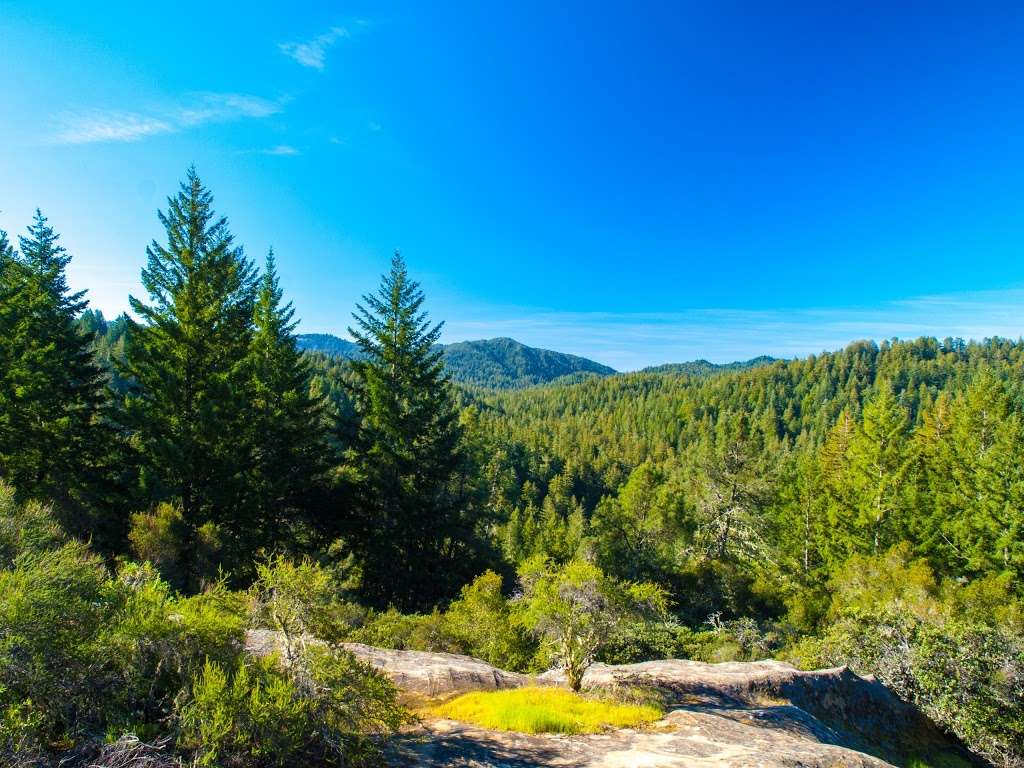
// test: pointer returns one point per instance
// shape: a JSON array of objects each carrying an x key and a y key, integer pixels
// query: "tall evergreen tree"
[
  {"x": 187, "y": 360},
  {"x": 879, "y": 463},
  {"x": 52, "y": 392},
  {"x": 415, "y": 537},
  {"x": 287, "y": 426}
]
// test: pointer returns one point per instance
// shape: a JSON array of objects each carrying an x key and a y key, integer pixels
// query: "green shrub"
[
  {"x": 636, "y": 641},
  {"x": 51, "y": 606},
  {"x": 483, "y": 625},
  {"x": 408, "y": 632},
  {"x": 575, "y": 610},
  {"x": 154, "y": 642},
  {"x": 301, "y": 601},
  {"x": 322, "y": 708},
  {"x": 29, "y": 527}
]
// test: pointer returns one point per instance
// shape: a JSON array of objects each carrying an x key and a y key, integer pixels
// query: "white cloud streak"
[
  {"x": 628, "y": 341},
  {"x": 281, "y": 150},
  {"x": 313, "y": 53},
  {"x": 97, "y": 126},
  {"x": 105, "y": 126}
]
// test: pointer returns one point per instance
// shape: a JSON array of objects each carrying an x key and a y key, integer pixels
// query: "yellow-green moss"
[{"x": 543, "y": 710}]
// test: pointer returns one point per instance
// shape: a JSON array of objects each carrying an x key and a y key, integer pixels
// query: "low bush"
[
  {"x": 102, "y": 669},
  {"x": 322, "y": 708}
]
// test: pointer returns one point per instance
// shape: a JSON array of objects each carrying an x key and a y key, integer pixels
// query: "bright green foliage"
[
  {"x": 316, "y": 711},
  {"x": 187, "y": 407},
  {"x": 974, "y": 477},
  {"x": 300, "y": 600},
  {"x": 575, "y": 609},
  {"x": 413, "y": 535},
  {"x": 286, "y": 423},
  {"x": 636, "y": 529},
  {"x": 544, "y": 710},
  {"x": 878, "y": 462},
  {"x": 892, "y": 578},
  {"x": 85, "y": 655},
  {"x": 484, "y": 624},
  {"x": 52, "y": 439},
  {"x": 253, "y": 716}
]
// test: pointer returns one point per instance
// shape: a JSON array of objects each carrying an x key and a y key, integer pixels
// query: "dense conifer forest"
[{"x": 170, "y": 479}]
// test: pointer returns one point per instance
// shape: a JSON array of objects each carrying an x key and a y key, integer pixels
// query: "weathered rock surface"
[
  {"x": 437, "y": 675},
  {"x": 432, "y": 675},
  {"x": 855, "y": 711},
  {"x": 764, "y": 713},
  {"x": 685, "y": 738}
]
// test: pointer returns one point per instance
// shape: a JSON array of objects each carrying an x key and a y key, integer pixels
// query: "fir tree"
[
  {"x": 52, "y": 393},
  {"x": 187, "y": 360},
  {"x": 405, "y": 451},
  {"x": 879, "y": 464},
  {"x": 286, "y": 421}
]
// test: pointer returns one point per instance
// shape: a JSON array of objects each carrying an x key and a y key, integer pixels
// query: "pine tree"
[
  {"x": 416, "y": 540},
  {"x": 52, "y": 392},
  {"x": 286, "y": 421},
  {"x": 880, "y": 461},
  {"x": 186, "y": 410},
  {"x": 978, "y": 482}
]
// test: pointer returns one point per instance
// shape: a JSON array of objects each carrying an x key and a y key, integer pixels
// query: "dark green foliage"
[
  {"x": 412, "y": 535},
  {"x": 187, "y": 410},
  {"x": 53, "y": 440},
  {"x": 286, "y": 423}
]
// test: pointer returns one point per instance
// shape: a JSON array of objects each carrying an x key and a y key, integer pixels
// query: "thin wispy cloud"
[
  {"x": 281, "y": 150},
  {"x": 313, "y": 53},
  {"x": 223, "y": 107},
  {"x": 97, "y": 126},
  {"x": 115, "y": 125},
  {"x": 628, "y": 341}
]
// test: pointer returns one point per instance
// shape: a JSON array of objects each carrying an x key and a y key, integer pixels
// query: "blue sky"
[{"x": 636, "y": 182}]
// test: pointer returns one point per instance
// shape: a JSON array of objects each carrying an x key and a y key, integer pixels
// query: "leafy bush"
[
  {"x": 301, "y": 601},
  {"x": 408, "y": 632},
  {"x": 636, "y": 641},
  {"x": 956, "y": 649},
  {"x": 484, "y": 625},
  {"x": 119, "y": 670},
  {"x": 967, "y": 677},
  {"x": 319, "y": 709},
  {"x": 544, "y": 710},
  {"x": 576, "y": 609}
]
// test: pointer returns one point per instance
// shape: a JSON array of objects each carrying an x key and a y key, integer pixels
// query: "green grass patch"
[{"x": 544, "y": 710}]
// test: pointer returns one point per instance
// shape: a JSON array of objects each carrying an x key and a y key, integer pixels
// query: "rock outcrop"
[{"x": 764, "y": 713}]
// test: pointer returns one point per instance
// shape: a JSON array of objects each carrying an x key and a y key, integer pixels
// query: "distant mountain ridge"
[
  {"x": 706, "y": 368},
  {"x": 498, "y": 363},
  {"x": 505, "y": 363}
]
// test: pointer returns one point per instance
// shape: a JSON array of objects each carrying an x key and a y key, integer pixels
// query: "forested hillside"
[
  {"x": 495, "y": 363},
  {"x": 169, "y": 479}
]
